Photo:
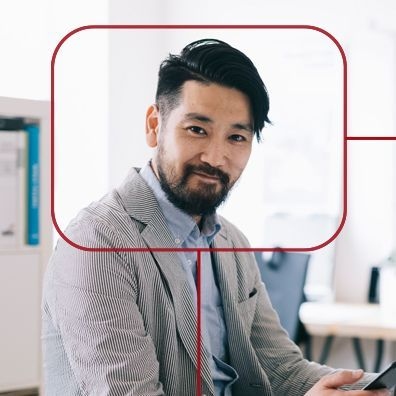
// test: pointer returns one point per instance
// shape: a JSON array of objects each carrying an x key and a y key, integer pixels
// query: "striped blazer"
[{"x": 124, "y": 323}]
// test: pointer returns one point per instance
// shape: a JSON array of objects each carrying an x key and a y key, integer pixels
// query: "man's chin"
[
  {"x": 196, "y": 196},
  {"x": 206, "y": 196},
  {"x": 199, "y": 204}
]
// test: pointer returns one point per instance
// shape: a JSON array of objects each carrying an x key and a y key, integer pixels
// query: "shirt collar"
[{"x": 180, "y": 223}]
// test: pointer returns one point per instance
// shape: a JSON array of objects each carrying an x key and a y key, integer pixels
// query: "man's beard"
[{"x": 195, "y": 202}]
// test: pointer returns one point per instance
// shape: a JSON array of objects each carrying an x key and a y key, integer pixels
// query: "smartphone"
[{"x": 386, "y": 379}]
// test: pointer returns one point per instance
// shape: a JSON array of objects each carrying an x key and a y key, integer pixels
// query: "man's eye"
[
  {"x": 197, "y": 130},
  {"x": 237, "y": 138}
]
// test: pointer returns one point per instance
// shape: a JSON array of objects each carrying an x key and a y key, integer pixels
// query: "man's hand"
[{"x": 329, "y": 384}]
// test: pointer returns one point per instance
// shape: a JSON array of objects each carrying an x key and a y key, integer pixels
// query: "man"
[{"x": 125, "y": 323}]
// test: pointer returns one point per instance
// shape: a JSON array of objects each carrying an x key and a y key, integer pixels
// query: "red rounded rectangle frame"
[{"x": 235, "y": 249}]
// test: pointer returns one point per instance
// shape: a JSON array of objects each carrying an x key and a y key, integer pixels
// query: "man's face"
[{"x": 202, "y": 146}]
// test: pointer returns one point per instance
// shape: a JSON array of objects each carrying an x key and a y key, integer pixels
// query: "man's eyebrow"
[
  {"x": 245, "y": 127},
  {"x": 200, "y": 117}
]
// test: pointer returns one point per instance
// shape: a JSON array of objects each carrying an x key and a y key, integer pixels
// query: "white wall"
[
  {"x": 81, "y": 123},
  {"x": 24, "y": 45},
  {"x": 368, "y": 234},
  {"x": 133, "y": 55},
  {"x": 29, "y": 32},
  {"x": 81, "y": 105}
]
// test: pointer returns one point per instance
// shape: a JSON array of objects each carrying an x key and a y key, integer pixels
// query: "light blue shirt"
[{"x": 188, "y": 235}]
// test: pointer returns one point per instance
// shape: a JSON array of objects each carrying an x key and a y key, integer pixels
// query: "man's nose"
[{"x": 214, "y": 154}]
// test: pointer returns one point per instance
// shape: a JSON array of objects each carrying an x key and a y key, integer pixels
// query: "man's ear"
[{"x": 152, "y": 126}]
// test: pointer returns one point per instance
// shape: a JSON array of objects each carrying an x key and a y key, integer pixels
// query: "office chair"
[{"x": 284, "y": 276}]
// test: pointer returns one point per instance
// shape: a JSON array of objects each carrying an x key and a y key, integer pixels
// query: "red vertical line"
[
  {"x": 345, "y": 142},
  {"x": 345, "y": 147},
  {"x": 52, "y": 142},
  {"x": 198, "y": 322}
]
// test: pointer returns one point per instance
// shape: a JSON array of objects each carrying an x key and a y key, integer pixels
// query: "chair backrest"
[{"x": 284, "y": 276}]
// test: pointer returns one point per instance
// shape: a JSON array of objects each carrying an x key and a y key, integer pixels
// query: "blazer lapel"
[
  {"x": 226, "y": 270},
  {"x": 140, "y": 203},
  {"x": 231, "y": 292},
  {"x": 225, "y": 266}
]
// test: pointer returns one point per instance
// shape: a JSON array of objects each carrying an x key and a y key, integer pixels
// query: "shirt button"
[
  {"x": 177, "y": 240},
  {"x": 189, "y": 261}
]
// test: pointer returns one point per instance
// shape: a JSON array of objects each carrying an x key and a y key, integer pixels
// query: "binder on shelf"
[
  {"x": 33, "y": 188},
  {"x": 13, "y": 187},
  {"x": 22, "y": 186},
  {"x": 11, "y": 124},
  {"x": 19, "y": 183}
]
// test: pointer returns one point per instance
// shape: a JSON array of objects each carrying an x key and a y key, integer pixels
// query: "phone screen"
[{"x": 386, "y": 379}]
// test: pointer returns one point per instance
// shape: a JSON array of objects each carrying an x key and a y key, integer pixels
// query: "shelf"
[
  {"x": 21, "y": 250},
  {"x": 20, "y": 302}
]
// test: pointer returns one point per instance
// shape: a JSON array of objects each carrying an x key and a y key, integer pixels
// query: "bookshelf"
[{"x": 22, "y": 269}]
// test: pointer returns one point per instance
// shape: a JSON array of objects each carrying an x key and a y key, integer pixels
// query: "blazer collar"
[{"x": 137, "y": 197}]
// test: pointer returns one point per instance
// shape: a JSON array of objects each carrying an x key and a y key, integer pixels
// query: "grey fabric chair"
[{"x": 284, "y": 276}]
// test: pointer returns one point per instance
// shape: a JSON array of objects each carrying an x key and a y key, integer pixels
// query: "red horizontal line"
[
  {"x": 198, "y": 249},
  {"x": 194, "y": 26},
  {"x": 371, "y": 137}
]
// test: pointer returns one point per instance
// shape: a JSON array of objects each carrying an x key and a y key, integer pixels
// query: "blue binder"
[{"x": 33, "y": 201}]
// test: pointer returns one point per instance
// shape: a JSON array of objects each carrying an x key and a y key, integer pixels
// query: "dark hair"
[{"x": 212, "y": 61}]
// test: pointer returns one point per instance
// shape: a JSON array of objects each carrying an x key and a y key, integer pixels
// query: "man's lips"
[{"x": 206, "y": 176}]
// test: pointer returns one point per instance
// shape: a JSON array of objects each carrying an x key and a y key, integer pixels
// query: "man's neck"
[{"x": 198, "y": 220}]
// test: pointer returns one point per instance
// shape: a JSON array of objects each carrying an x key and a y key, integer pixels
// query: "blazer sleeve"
[
  {"x": 95, "y": 311},
  {"x": 287, "y": 370},
  {"x": 289, "y": 373}
]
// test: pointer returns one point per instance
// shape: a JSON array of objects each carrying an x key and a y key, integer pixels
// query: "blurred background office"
[{"x": 291, "y": 194}]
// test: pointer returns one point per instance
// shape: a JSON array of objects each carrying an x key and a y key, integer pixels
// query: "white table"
[{"x": 348, "y": 320}]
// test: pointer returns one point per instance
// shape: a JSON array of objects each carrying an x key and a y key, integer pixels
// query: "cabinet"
[{"x": 22, "y": 268}]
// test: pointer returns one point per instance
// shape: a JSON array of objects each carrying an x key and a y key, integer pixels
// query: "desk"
[{"x": 348, "y": 320}]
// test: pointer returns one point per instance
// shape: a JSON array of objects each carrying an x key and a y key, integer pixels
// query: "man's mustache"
[{"x": 208, "y": 170}]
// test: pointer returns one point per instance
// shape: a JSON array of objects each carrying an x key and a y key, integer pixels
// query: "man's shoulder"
[
  {"x": 103, "y": 223},
  {"x": 109, "y": 210},
  {"x": 121, "y": 214}
]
